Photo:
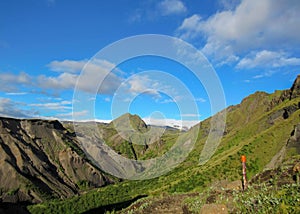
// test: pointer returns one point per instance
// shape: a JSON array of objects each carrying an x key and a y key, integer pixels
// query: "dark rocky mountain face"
[
  {"x": 40, "y": 159},
  {"x": 295, "y": 90},
  {"x": 287, "y": 94}
]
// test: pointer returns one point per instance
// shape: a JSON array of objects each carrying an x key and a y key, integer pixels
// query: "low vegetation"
[{"x": 273, "y": 191}]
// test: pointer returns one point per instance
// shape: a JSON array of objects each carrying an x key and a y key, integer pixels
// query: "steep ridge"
[
  {"x": 41, "y": 159},
  {"x": 258, "y": 127}
]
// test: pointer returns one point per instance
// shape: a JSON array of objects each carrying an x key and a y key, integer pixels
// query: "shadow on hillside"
[
  {"x": 13, "y": 208},
  {"x": 115, "y": 207}
]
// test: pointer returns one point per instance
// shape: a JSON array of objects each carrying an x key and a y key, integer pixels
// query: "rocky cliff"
[{"x": 40, "y": 159}]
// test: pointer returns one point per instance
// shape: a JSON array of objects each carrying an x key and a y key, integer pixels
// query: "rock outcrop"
[
  {"x": 288, "y": 94},
  {"x": 294, "y": 140},
  {"x": 295, "y": 89},
  {"x": 40, "y": 159}
]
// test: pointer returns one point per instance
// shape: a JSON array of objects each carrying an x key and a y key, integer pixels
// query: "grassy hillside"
[
  {"x": 272, "y": 191},
  {"x": 259, "y": 128}
]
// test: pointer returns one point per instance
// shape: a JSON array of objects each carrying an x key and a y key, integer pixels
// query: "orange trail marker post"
[{"x": 243, "y": 159}]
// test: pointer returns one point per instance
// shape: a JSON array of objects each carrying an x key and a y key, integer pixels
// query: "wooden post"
[{"x": 243, "y": 159}]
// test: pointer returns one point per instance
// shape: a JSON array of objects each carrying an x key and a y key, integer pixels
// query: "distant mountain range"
[
  {"x": 42, "y": 160},
  {"x": 167, "y": 123}
]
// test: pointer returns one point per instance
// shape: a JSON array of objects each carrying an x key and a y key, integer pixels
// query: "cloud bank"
[{"x": 253, "y": 25}]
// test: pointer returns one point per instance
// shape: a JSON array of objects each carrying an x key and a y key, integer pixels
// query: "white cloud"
[
  {"x": 191, "y": 27},
  {"x": 267, "y": 73},
  {"x": 10, "y": 82},
  {"x": 252, "y": 25},
  {"x": 154, "y": 10},
  {"x": 136, "y": 16},
  {"x": 190, "y": 115},
  {"x": 9, "y": 108},
  {"x": 229, "y": 4},
  {"x": 267, "y": 59},
  {"x": 71, "y": 114},
  {"x": 63, "y": 81},
  {"x": 68, "y": 66},
  {"x": 143, "y": 84},
  {"x": 89, "y": 79},
  {"x": 160, "y": 88},
  {"x": 258, "y": 76},
  {"x": 201, "y": 100},
  {"x": 63, "y": 105},
  {"x": 167, "y": 101},
  {"x": 93, "y": 73},
  {"x": 16, "y": 93},
  {"x": 171, "y": 122},
  {"x": 170, "y": 7}
]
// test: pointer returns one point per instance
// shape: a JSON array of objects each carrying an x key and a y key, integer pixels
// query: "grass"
[
  {"x": 262, "y": 199},
  {"x": 249, "y": 132},
  {"x": 273, "y": 191},
  {"x": 285, "y": 199},
  {"x": 13, "y": 191},
  {"x": 93, "y": 199}
]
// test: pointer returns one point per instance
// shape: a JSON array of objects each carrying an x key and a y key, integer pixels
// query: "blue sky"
[{"x": 253, "y": 45}]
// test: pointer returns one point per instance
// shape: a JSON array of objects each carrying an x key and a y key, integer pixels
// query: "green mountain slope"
[{"x": 260, "y": 128}]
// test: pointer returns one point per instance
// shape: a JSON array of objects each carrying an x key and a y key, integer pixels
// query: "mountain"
[
  {"x": 111, "y": 146},
  {"x": 130, "y": 137},
  {"x": 40, "y": 159},
  {"x": 128, "y": 122},
  {"x": 264, "y": 127}
]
